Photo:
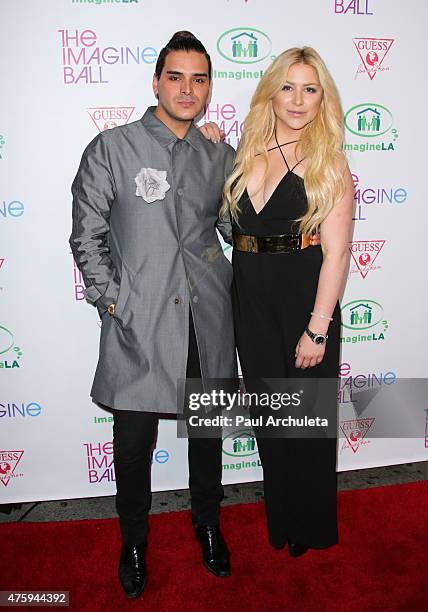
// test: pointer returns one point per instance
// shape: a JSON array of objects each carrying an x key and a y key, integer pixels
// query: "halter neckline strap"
[{"x": 283, "y": 156}]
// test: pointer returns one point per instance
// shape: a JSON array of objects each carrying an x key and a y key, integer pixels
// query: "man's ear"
[{"x": 155, "y": 85}]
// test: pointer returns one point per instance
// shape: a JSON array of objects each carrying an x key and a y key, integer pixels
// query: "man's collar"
[
  {"x": 163, "y": 134},
  {"x": 193, "y": 136}
]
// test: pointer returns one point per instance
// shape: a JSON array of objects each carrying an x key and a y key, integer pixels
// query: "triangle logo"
[
  {"x": 107, "y": 117},
  {"x": 364, "y": 253},
  {"x": 8, "y": 463},
  {"x": 355, "y": 431},
  {"x": 372, "y": 52}
]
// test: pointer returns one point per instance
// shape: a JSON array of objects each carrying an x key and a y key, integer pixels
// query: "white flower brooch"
[{"x": 151, "y": 184}]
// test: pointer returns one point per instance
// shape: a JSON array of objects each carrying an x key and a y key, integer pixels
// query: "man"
[{"x": 145, "y": 210}]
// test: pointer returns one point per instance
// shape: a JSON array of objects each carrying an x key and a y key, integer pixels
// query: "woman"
[{"x": 290, "y": 180}]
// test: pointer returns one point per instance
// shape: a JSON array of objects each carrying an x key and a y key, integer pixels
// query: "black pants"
[{"x": 134, "y": 435}]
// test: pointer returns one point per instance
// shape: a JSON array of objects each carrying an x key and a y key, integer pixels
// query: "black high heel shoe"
[{"x": 295, "y": 549}]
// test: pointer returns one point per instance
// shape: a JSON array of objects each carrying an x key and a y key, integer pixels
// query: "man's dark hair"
[{"x": 182, "y": 41}]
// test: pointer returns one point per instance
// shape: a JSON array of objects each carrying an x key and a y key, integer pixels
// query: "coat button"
[
  {"x": 180, "y": 191},
  {"x": 195, "y": 299},
  {"x": 177, "y": 300}
]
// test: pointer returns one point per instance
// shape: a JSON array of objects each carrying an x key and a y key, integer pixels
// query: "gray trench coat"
[{"x": 154, "y": 260}]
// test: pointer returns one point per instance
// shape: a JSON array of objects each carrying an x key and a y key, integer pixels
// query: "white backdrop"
[{"x": 72, "y": 68}]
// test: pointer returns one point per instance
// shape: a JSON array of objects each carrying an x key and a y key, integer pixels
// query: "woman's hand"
[
  {"x": 308, "y": 354},
  {"x": 211, "y": 131}
]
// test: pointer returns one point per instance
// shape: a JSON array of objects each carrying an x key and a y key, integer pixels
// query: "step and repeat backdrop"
[{"x": 71, "y": 69}]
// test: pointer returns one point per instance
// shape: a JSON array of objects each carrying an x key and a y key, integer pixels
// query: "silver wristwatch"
[{"x": 317, "y": 338}]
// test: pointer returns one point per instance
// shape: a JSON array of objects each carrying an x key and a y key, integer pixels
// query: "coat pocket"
[{"x": 122, "y": 302}]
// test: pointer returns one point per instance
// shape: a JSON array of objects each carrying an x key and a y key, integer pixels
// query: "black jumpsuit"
[{"x": 273, "y": 296}]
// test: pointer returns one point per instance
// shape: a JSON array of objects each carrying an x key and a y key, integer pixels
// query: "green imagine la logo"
[
  {"x": 370, "y": 120},
  {"x": 7, "y": 345},
  {"x": 2, "y": 142},
  {"x": 361, "y": 315},
  {"x": 244, "y": 45},
  {"x": 240, "y": 444}
]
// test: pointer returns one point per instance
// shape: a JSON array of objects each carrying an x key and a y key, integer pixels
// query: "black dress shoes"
[
  {"x": 132, "y": 569},
  {"x": 215, "y": 554},
  {"x": 296, "y": 550}
]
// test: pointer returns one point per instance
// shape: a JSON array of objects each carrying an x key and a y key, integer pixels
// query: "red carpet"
[{"x": 380, "y": 563}]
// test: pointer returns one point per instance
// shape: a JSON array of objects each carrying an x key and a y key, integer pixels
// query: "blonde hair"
[{"x": 320, "y": 142}]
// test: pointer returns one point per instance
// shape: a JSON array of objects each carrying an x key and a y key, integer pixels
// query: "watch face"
[{"x": 319, "y": 339}]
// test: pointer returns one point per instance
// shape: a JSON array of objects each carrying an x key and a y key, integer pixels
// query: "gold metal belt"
[{"x": 283, "y": 243}]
